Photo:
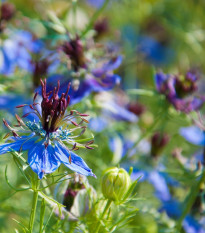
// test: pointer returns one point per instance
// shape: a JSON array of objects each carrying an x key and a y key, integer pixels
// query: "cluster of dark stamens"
[
  {"x": 52, "y": 117},
  {"x": 186, "y": 86},
  {"x": 53, "y": 108},
  {"x": 74, "y": 50}
]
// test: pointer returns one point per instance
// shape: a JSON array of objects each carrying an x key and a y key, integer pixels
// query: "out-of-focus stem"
[
  {"x": 108, "y": 204},
  {"x": 189, "y": 201}
]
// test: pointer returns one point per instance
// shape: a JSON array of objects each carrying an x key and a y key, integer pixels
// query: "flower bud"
[
  {"x": 115, "y": 183},
  {"x": 7, "y": 11},
  {"x": 77, "y": 196},
  {"x": 158, "y": 142}
]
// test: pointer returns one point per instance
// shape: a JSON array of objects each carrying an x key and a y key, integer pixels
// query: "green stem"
[
  {"x": 34, "y": 205},
  {"x": 94, "y": 18},
  {"x": 42, "y": 215},
  {"x": 108, "y": 204},
  {"x": 148, "y": 132},
  {"x": 190, "y": 199}
]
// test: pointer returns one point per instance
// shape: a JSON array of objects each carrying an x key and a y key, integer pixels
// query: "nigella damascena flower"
[
  {"x": 46, "y": 140},
  {"x": 88, "y": 71},
  {"x": 180, "y": 91}
]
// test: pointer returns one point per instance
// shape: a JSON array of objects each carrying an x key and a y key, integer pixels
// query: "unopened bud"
[
  {"x": 77, "y": 195},
  {"x": 7, "y": 11},
  {"x": 158, "y": 142},
  {"x": 115, "y": 183}
]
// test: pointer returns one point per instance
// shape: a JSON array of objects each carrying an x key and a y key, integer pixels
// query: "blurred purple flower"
[
  {"x": 98, "y": 80},
  {"x": 179, "y": 90},
  {"x": 96, "y": 3}
]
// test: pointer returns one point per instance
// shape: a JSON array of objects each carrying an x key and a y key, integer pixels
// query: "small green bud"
[{"x": 115, "y": 183}]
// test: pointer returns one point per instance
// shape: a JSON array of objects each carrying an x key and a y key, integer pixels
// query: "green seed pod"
[{"x": 115, "y": 183}]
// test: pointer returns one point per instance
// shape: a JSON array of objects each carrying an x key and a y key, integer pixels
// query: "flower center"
[{"x": 53, "y": 108}]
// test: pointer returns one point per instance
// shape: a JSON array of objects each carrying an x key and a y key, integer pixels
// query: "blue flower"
[
  {"x": 15, "y": 52},
  {"x": 46, "y": 139},
  {"x": 101, "y": 79},
  {"x": 87, "y": 74}
]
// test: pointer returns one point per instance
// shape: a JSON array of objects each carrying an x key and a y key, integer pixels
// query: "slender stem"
[
  {"x": 146, "y": 134},
  {"x": 34, "y": 205},
  {"x": 42, "y": 215},
  {"x": 108, "y": 204},
  {"x": 189, "y": 201},
  {"x": 94, "y": 18}
]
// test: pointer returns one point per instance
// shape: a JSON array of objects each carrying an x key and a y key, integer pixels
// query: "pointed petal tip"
[{"x": 92, "y": 174}]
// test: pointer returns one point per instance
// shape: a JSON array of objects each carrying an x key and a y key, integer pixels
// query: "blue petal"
[
  {"x": 96, "y": 3},
  {"x": 160, "y": 79},
  {"x": 24, "y": 143},
  {"x": 153, "y": 51},
  {"x": 10, "y": 101},
  {"x": 160, "y": 185},
  {"x": 105, "y": 83},
  {"x": 77, "y": 164},
  {"x": 98, "y": 124},
  {"x": 190, "y": 225},
  {"x": 173, "y": 208},
  {"x": 193, "y": 135},
  {"x": 113, "y": 64},
  {"x": 76, "y": 96},
  {"x": 109, "y": 66},
  {"x": 83, "y": 90},
  {"x": 42, "y": 160},
  {"x": 119, "y": 112}
]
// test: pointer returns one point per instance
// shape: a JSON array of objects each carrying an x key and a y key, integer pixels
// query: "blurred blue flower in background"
[
  {"x": 100, "y": 79},
  {"x": 148, "y": 47},
  {"x": 154, "y": 52},
  {"x": 16, "y": 52},
  {"x": 8, "y": 102},
  {"x": 174, "y": 208}
]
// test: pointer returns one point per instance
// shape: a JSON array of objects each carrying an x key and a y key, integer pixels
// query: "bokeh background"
[{"x": 151, "y": 36}]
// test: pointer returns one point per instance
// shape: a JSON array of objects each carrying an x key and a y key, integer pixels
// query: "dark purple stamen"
[
  {"x": 74, "y": 50},
  {"x": 7, "y": 11},
  {"x": 186, "y": 86},
  {"x": 101, "y": 27},
  {"x": 53, "y": 108}
]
